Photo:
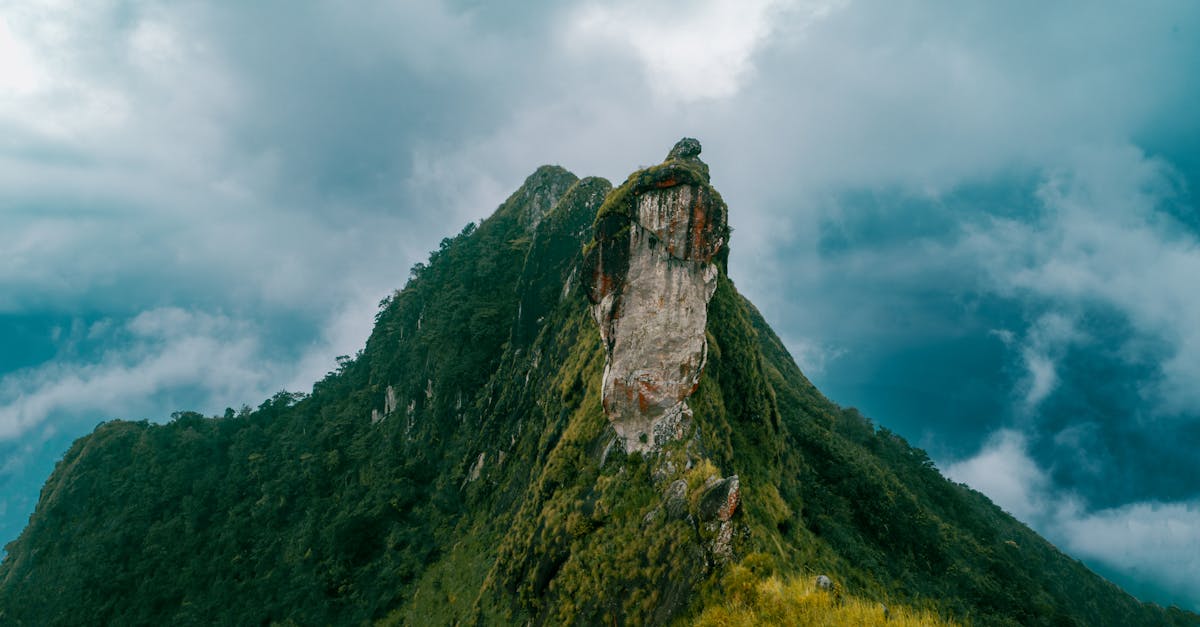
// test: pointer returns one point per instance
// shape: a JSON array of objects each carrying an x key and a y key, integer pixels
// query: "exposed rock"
[
  {"x": 568, "y": 284},
  {"x": 722, "y": 544},
  {"x": 674, "y": 505},
  {"x": 651, "y": 276},
  {"x": 616, "y": 441},
  {"x": 676, "y": 502},
  {"x": 824, "y": 583},
  {"x": 477, "y": 467},
  {"x": 663, "y": 472},
  {"x": 538, "y": 194},
  {"x": 389, "y": 401},
  {"x": 390, "y": 405},
  {"x": 720, "y": 500},
  {"x": 718, "y": 503},
  {"x": 686, "y": 148}
]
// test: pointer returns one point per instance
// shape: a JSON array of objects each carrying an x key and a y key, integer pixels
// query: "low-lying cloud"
[
  {"x": 157, "y": 353},
  {"x": 1151, "y": 542}
]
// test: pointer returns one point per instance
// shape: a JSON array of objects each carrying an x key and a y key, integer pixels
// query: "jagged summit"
[{"x": 537, "y": 195}]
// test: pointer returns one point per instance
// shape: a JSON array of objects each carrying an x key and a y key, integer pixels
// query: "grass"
[{"x": 798, "y": 601}]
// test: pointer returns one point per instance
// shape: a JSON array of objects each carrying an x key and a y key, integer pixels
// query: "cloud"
[
  {"x": 18, "y": 70},
  {"x": 811, "y": 355},
  {"x": 1158, "y": 541},
  {"x": 1108, "y": 235},
  {"x": 1042, "y": 377},
  {"x": 1004, "y": 471},
  {"x": 168, "y": 352},
  {"x": 687, "y": 51},
  {"x": 202, "y": 361},
  {"x": 1142, "y": 541},
  {"x": 227, "y": 166},
  {"x": 343, "y": 334},
  {"x": 1046, "y": 341}
]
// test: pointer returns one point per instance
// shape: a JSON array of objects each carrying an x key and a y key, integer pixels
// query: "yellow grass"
[{"x": 773, "y": 601}]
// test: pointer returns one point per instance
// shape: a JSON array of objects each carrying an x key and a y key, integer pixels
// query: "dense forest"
[{"x": 460, "y": 469}]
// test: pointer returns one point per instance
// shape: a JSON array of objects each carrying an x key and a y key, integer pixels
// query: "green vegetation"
[{"x": 489, "y": 490}]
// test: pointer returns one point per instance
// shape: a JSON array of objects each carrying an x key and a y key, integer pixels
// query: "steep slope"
[{"x": 470, "y": 465}]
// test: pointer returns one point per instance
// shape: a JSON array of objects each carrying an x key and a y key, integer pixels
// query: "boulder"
[
  {"x": 720, "y": 500},
  {"x": 676, "y": 502}
]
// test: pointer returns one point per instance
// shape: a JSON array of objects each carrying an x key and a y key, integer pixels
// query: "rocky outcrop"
[
  {"x": 539, "y": 193},
  {"x": 720, "y": 499},
  {"x": 651, "y": 273},
  {"x": 676, "y": 503},
  {"x": 718, "y": 503}
]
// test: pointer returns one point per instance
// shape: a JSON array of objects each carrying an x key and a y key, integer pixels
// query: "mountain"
[{"x": 567, "y": 416}]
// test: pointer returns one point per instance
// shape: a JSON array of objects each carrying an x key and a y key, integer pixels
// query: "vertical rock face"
[{"x": 651, "y": 275}]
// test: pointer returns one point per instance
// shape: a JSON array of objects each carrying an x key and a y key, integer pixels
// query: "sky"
[{"x": 976, "y": 222}]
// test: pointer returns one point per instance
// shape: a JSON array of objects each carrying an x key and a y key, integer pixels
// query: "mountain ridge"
[{"x": 462, "y": 468}]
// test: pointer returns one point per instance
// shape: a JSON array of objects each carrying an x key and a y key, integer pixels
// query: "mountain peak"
[
  {"x": 538, "y": 194},
  {"x": 686, "y": 148}
]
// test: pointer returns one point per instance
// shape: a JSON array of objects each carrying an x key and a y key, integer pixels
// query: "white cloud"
[
  {"x": 1042, "y": 379},
  {"x": 155, "y": 46},
  {"x": 167, "y": 359},
  {"x": 688, "y": 51},
  {"x": 343, "y": 334},
  {"x": 1151, "y": 541},
  {"x": 1160, "y": 541},
  {"x": 1046, "y": 341},
  {"x": 1004, "y": 471},
  {"x": 1105, "y": 237},
  {"x": 161, "y": 352},
  {"x": 812, "y": 355},
  {"x": 19, "y": 73},
  {"x": 53, "y": 43}
]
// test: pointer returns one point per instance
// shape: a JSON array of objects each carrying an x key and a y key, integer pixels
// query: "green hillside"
[{"x": 461, "y": 469}]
